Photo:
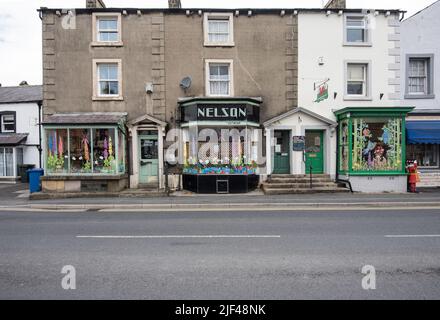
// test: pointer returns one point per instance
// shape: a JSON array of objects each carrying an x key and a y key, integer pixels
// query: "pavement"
[
  {"x": 220, "y": 255},
  {"x": 16, "y": 197}
]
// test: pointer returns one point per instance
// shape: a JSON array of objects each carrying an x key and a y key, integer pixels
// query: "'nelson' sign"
[{"x": 221, "y": 113}]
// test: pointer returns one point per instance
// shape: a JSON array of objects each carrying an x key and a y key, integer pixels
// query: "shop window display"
[
  {"x": 57, "y": 156},
  {"x": 103, "y": 151},
  {"x": 376, "y": 144},
  {"x": 80, "y": 157},
  {"x": 343, "y": 146}
]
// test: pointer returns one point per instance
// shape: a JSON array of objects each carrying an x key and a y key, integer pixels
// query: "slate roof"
[
  {"x": 21, "y": 94},
  {"x": 86, "y": 118},
  {"x": 12, "y": 139}
]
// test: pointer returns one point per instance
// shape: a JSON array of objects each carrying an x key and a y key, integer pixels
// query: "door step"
[{"x": 300, "y": 184}]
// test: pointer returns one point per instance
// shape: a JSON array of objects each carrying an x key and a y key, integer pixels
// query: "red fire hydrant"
[{"x": 413, "y": 177}]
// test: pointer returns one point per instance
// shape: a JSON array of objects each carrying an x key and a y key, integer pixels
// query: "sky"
[{"x": 20, "y": 26}]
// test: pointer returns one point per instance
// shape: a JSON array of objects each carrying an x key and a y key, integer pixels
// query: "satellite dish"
[{"x": 186, "y": 83}]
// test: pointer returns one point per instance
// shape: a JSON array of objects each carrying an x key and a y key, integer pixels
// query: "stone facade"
[{"x": 169, "y": 48}]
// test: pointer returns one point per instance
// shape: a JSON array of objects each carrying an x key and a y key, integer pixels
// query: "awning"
[
  {"x": 12, "y": 139},
  {"x": 423, "y": 132}
]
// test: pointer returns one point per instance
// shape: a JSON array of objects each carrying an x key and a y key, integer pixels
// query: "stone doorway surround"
[
  {"x": 297, "y": 121},
  {"x": 146, "y": 122}
]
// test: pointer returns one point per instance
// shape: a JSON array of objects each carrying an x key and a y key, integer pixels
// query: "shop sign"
[
  {"x": 221, "y": 113},
  {"x": 299, "y": 143},
  {"x": 322, "y": 93}
]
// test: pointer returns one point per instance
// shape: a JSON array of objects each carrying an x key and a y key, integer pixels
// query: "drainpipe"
[
  {"x": 40, "y": 149},
  {"x": 127, "y": 154}
]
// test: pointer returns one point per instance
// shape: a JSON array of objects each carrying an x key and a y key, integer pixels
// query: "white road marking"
[
  {"x": 413, "y": 236},
  {"x": 176, "y": 236}
]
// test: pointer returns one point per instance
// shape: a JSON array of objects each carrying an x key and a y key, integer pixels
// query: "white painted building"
[
  {"x": 421, "y": 88},
  {"x": 347, "y": 58},
  {"x": 20, "y": 114}
]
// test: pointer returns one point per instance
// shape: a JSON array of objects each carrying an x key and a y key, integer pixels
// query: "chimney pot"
[
  {"x": 174, "y": 4},
  {"x": 95, "y": 4},
  {"x": 336, "y": 4}
]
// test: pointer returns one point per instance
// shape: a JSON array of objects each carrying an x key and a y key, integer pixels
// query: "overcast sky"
[{"x": 20, "y": 26}]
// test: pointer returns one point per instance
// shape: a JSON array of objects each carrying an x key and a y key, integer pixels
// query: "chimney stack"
[
  {"x": 336, "y": 4},
  {"x": 174, "y": 4},
  {"x": 95, "y": 4}
]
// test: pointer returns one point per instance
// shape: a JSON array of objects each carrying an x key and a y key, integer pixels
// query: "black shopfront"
[{"x": 219, "y": 147}]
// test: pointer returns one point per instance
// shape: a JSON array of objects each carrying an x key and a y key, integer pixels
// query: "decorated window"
[
  {"x": 343, "y": 146},
  {"x": 57, "y": 155},
  {"x": 104, "y": 150},
  {"x": 84, "y": 151},
  {"x": 376, "y": 144}
]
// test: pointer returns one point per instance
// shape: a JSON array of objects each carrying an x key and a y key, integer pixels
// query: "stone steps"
[
  {"x": 304, "y": 191},
  {"x": 300, "y": 184}
]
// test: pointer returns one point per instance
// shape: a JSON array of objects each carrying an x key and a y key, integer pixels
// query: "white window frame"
[
  {"x": 366, "y": 95},
  {"x": 229, "y": 62},
  {"x": 95, "y": 19},
  {"x": 3, "y": 130},
  {"x": 366, "y": 28},
  {"x": 96, "y": 88},
  {"x": 219, "y": 16}
]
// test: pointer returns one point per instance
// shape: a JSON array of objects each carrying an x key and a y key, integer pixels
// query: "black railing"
[{"x": 311, "y": 177}]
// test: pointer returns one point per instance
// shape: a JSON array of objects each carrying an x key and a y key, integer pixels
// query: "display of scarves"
[
  {"x": 105, "y": 148},
  {"x": 86, "y": 149}
]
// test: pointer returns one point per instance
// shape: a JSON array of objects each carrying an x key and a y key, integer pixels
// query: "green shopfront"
[{"x": 372, "y": 148}]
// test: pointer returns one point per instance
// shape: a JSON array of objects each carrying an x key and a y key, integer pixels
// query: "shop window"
[
  {"x": 80, "y": 157},
  {"x": 426, "y": 155},
  {"x": 8, "y": 123},
  {"x": 219, "y": 29},
  {"x": 356, "y": 30},
  {"x": 104, "y": 151},
  {"x": 57, "y": 156},
  {"x": 7, "y": 162},
  {"x": 219, "y": 78},
  {"x": 343, "y": 146},
  {"x": 419, "y": 77},
  {"x": 376, "y": 144}
]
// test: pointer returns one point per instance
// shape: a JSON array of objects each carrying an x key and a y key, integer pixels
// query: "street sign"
[{"x": 299, "y": 143}]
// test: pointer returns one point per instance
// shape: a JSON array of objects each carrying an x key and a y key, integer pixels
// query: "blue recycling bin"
[{"x": 34, "y": 179}]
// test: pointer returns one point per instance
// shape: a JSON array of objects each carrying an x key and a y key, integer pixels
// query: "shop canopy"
[{"x": 423, "y": 132}]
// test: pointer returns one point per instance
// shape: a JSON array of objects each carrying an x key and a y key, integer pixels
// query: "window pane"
[
  {"x": 356, "y": 35},
  {"x": 9, "y": 156},
  {"x": 356, "y": 72},
  {"x": 104, "y": 87},
  {"x": 377, "y": 144},
  {"x": 113, "y": 72},
  {"x": 356, "y": 22},
  {"x": 356, "y": 88},
  {"x": 8, "y": 118},
  {"x": 57, "y": 151},
  {"x": 80, "y": 151},
  {"x": 104, "y": 151},
  {"x": 2, "y": 162},
  {"x": 108, "y": 24},
  {"x": 113, "y": 87},
  {"x": 103, "y": 71},
  {"x": 121, "y": 152}
]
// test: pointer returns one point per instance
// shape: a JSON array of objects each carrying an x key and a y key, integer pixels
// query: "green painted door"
[
  {"x": 315, "y": 151},
  {"x": 148, "y": 159},
  {"x": 282, "y": 153}
]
